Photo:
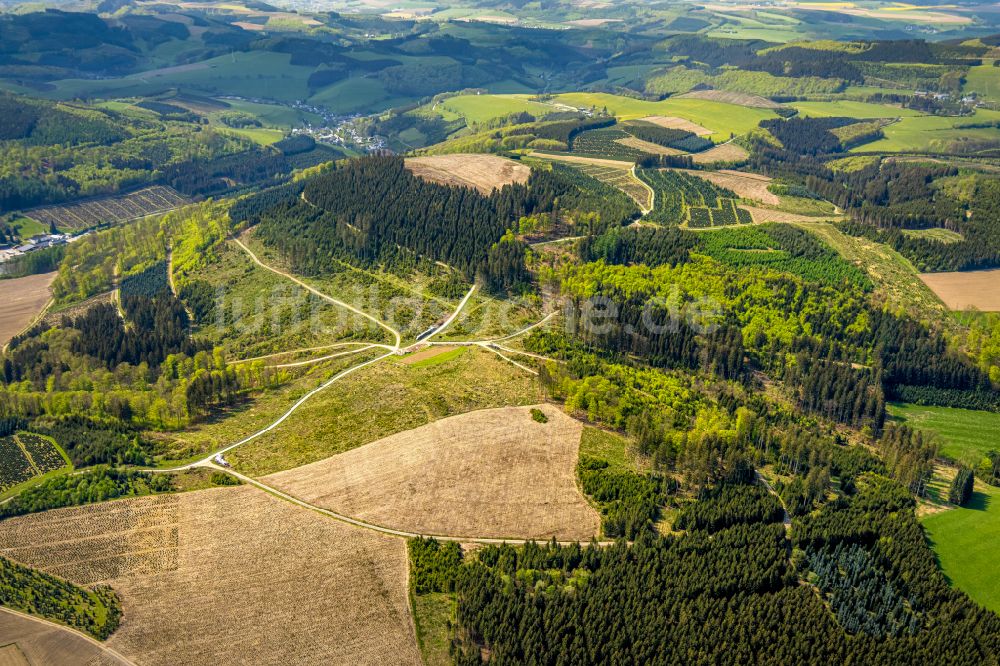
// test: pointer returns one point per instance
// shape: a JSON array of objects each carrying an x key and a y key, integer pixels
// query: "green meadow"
[
  {"x": 965, "y": 540},
  {"x": 966, "y": 435}
]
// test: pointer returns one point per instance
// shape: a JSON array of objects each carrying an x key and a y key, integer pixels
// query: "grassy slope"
[
  {"x": 985, "y": 80},
  {"x": 890, "y": 271},
  {"x": 251, "y": 74},
  {"x": 721, "y": 118},
  {"x": 480, "y": 108},
  {"x": 933, "y": 133},
  {"x": 850, "y": 109},
  {"x": 965, "y": 541},
  {"x": 966, "y": 435},
  {"x": 381, "y": 400},
  {"x": 431, "y": 614}
]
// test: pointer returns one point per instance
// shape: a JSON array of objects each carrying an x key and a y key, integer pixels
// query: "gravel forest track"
[{"x": 317, "y": 292}]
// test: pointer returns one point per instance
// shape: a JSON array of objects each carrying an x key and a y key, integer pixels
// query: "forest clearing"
[
  {"x": 483, "y": 172},
  {"x": 196, "y": 565},
  {"x": 494, "y": 473}
]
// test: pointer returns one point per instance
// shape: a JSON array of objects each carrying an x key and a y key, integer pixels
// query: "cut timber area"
[
  {"x": 27, "y": 641},
  {"x": 230, "y": 576},
  {"x": 491, "y": 473},
  {"x": 483, "y": 172}
]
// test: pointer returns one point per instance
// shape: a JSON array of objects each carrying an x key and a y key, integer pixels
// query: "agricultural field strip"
[
  {"x": 371, "y": 526},
  {"x": 256, "y": 260},
  {"x": 62, "y": 627}
]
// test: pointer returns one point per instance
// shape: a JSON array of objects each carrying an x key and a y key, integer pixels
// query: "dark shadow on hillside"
[{"x": 979, "y": 501}]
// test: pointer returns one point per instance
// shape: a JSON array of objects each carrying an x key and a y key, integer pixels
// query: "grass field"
[
  {"x": 490, "y": 473},
  {"x": 247, "y": 418},
  {"x": 722, "y": 119},
  {"x": 985, "y": 80},
  {"x": 850, "y": 109},
  {"x": 383, "y": 399},
  {"x": 265, "y": 312},
  {"x": 356, "y": 95},
  {"x": 246, "y": 74},
  {"x": 25, "y": 641},
  {"x": 481, "y": 108},
  {"x": 938, "y": 234},
  {"x": 611, "y": 447},
  {"x": 193, "y": 570},
  {"x": 21, "y": 299},
  {"x": 274, "y": 115},
  {"x": 965, "y": 540},
  {"x": 431, "y": 613},
  {"x": 934, "y": 133},
  {"x": 965, "y": 435}
]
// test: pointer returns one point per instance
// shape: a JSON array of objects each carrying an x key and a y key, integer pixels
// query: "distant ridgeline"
[
  {"x": 94, "y": 151},
  {"x": 373, "y": 210}
]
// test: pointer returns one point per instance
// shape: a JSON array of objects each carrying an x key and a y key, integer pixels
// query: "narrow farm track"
[
  {"x": 335, "y": 345},
  {"x": 652, "y": 193},
  {"x": 317, "y": 292},
  {"x": 310, "y": 361}
]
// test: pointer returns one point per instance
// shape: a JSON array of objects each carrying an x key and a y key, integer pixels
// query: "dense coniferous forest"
[
  {"x": 374, "y": 210},
  {"x": 725, "y": 591}
]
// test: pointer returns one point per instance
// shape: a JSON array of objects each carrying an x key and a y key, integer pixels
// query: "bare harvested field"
[
  {"x": 21, "y": 299},
  {"x": 230, "y": 575},
  {"x": 483, "y": 172},
  {"x": 491, "y": 473},
  {"x": 967, "y": 289},
  {"x": 730, "y": 97},
  {"x": 746, "y": 185},
  {"x": 726, "y": 152},
  {"x": 648, "y": 146},
  {"x": 26, "y": 641},
  {"x": 672, "y": 122}
]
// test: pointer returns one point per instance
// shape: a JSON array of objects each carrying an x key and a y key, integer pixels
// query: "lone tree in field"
[{"x": 961, "y": 487}]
